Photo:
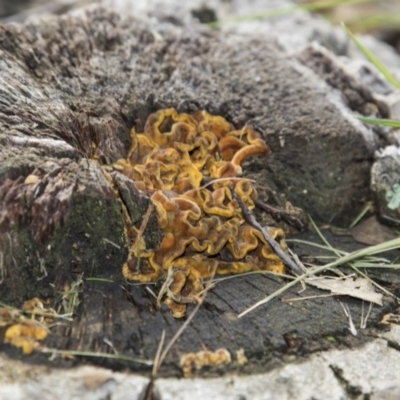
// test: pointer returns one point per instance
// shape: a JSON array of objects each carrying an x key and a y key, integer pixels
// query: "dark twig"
[
  {"x": 143, "y": 226},
  {"x": 273, "y": 243},
  {"x": 280, "y": 215}
]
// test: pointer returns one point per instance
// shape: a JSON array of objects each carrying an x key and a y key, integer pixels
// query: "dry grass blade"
[
  {"x": 317, "y": 245},
  {"x": 214, "y": 282},
  {"x": 226, "y": 179},
  {"x": 368, "y": 251},
  {"x": 363, "y": 322},
  {"x": 181, "y": 329},
  {"x": 346, "y": 310},
  {"x": 359, "y": 217},
  {"x": 164, "y": 287},
  {"x": 315, "y": 227},
  {"x": 157, "y": 358},
  {"x": 293, "y": 299},
  {"x": 369, "y": 261},
  {"x": 372, "y": 265},
  {"x": 121, "y": 357}
]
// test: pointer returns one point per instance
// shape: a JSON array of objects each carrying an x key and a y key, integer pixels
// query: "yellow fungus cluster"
[
  {"x": 25, "y": 328},
  {"x": 204, "y": 358},
  {"x": 26, "y": 335},
  {"x": 204, "y": 230}
]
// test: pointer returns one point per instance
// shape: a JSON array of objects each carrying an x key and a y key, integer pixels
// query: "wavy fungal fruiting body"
[{"x": 204, "y": 231}]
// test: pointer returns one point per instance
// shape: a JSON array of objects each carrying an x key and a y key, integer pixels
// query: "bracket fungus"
[{"x": 203, "y": 226}]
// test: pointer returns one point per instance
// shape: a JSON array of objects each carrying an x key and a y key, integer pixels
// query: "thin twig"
[
  {"x": 143, "y": 226},
  {"x": 273, "y": 243},
  {"x": 280, "y": 215},
  {"x": 291, "y": 300}
]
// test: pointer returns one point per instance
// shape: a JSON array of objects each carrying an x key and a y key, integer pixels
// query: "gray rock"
[
  {"x": 385, "y": 182},
  {"x": 371, "y": 370}
]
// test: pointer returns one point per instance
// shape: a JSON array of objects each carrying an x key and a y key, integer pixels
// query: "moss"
[
  {"x": 92, "y": 235},
  {"x": 19, "y": 259},
  {"x": 91, "y": 242}
]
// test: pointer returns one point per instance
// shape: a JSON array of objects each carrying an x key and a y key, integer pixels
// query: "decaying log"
[{"x": 72, "y": 88}]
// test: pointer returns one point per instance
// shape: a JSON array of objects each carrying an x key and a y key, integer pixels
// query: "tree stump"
[{"x": 74, "y": 86}]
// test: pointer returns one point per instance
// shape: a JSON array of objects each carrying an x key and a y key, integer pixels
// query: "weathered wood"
[
  {"x": 72, "y": 88},
  {"x": 281, "y": 331}
]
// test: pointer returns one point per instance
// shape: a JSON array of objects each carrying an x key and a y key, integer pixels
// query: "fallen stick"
[{"x": 296, "y": 269}]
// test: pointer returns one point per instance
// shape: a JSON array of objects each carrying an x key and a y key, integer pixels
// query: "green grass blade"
[
  {"x": 322, "y": 237},
  {"x": 381, "y": 122},
  {"x": 321, "y": 5},
  {"x": 93, "y": 279},
  {"x": 360, "y": 216},
  {"x": 375, "y": 21},
  {"x": 374, "y": 60}
]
